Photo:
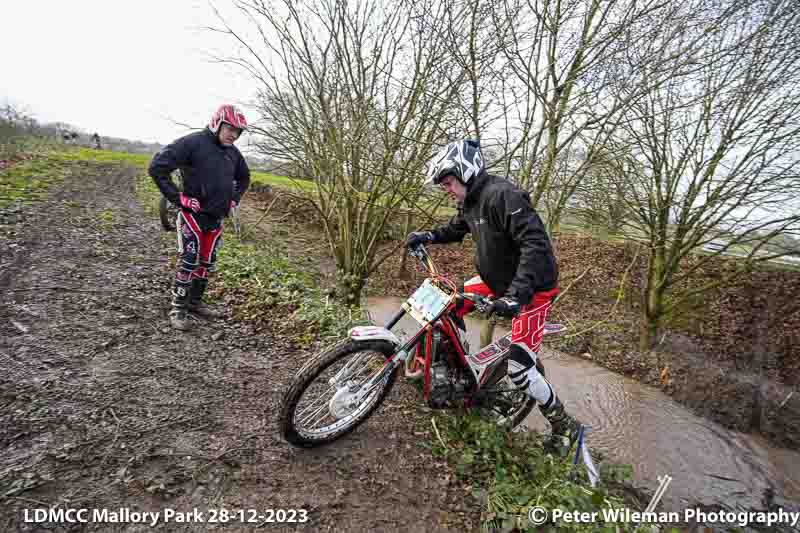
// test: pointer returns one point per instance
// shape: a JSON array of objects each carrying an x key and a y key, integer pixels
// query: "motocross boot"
[
  {"x": 196, "y": 304},
  {"x": 178, "y": 316},
  {"x": 565, "y": 429}
]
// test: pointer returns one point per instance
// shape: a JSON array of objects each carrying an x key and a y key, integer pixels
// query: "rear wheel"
[
  {"x": 319, "y": 406},
  {"x": 509, "y": 405},
  {"x": 168, "y": 214},
  {"x": 505, "y": 403}
]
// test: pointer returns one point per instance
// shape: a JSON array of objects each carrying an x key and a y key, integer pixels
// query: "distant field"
[{"x": 265, "y": 178}]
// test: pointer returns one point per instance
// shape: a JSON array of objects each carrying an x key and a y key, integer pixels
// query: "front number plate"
[{"x": 427, "y": 302}]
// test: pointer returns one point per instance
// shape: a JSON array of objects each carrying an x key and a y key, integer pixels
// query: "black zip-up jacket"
[
  {"x": 212, "y": 173},
  {"x": 513, "y": 253}
]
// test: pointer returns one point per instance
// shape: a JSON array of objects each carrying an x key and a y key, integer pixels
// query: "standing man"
[
  {"x": 215, "y": 177},
  {"x": 516, "y": 267}
]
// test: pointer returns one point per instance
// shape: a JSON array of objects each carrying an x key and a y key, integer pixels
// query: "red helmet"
[{"x": 228, "y": 114}]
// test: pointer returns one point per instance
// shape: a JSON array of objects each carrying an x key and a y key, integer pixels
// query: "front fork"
[{"x": 401, "y": 355}]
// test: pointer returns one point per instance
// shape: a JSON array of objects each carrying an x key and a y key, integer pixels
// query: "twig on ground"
[
  {"x": 786, "y": 399},
  {"x": 19, "y": 326},
  {"x": 438, "y": 436},
  {"x": 116, "y": 436}
]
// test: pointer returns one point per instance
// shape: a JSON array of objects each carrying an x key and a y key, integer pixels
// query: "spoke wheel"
[
  {"x": 509, "y": 405},
  {"x": 168, "y": 214},
  {"x": 321, "y": 405}
]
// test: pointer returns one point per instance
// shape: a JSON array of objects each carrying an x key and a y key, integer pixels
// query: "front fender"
[{"x": 370, "y": 333}]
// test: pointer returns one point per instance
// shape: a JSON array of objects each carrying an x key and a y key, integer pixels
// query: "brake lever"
[{"x": 417, "y": 251}]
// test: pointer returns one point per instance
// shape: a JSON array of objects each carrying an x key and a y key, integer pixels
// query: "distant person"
[
  {"x": 215, "y": 177},
  {"x": 96, "y": 141}
]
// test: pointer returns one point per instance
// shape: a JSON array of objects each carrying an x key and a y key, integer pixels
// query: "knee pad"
[
  {"x": 523, "y": 373},
  {"x": 519, "y": 362},
  {"x": 538, "y": 387}
]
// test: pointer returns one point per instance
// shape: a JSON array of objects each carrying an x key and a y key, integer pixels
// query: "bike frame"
[{"x": 481, "y": 364}]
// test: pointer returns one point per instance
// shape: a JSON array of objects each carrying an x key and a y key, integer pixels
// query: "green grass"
[
  {"x": 265, "y": 178},
  {"x": 106, "y": 218},
  {"x": 105, "y": 156},
  {"x": 28, "y": 180},
  {"x": 510, "y": 473}
]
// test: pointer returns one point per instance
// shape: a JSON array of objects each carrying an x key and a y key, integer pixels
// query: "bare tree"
[
  {"x": 573, "y": 77},
  {"x": 714, "y": 151},
  {"x": 598, "y": 201},
  {"x": 351, "y": 94}
]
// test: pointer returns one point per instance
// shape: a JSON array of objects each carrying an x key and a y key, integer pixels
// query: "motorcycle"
[
  {"x": 342, "y": 386},
  {"x": 167, "y": 211}
]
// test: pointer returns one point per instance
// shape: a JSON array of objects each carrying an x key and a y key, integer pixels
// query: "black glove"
[
  {"x": 418, "y": 237},
  {"x": 506, "y": 307}
]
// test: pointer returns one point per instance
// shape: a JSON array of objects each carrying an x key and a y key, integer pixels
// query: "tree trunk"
[
  {"x": 349, "y": 287},
  {"x": 653, "y": 300},
  {"x": 403, "y": 272}
]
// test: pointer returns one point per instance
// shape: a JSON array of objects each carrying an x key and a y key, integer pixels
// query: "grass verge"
[
  {"x": 509, "y": 473},
  {"x": 268, "y": 286},
  {"x": 29, "y": 179},
  {"x": 265, "y": 178}
]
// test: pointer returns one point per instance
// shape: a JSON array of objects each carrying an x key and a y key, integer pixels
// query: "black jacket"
[
  {"x": 513, "y": 254},
  {"x": 212, "y": 173}
]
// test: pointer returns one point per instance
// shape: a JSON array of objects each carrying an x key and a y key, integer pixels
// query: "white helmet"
[{"x": 461, "y": 159}]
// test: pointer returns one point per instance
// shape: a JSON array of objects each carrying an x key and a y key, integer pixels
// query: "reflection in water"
[{"x": 639, "y": 425}]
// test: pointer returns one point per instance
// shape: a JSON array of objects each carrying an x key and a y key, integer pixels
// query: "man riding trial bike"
[{"x": 515, "y": 263}]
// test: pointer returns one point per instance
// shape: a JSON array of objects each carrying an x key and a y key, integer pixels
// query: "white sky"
[{"x": 121, "y": 68}]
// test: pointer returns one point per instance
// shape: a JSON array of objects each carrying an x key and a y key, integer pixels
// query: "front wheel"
[{"x": 319, "y": 406}]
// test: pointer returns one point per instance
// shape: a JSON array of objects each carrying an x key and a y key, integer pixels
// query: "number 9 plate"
[{"x": 427, "y": 302}]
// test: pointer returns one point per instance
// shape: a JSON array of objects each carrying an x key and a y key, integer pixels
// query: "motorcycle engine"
[{"x": 447, "y": 385}]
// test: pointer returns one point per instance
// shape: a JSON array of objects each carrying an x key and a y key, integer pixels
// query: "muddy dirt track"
[{"x": 102, "y": 406}]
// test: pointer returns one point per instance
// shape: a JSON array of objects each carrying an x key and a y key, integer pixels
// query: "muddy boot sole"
[{"x": 180, "y": 321}]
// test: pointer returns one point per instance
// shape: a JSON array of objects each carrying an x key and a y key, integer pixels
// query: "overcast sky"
[{"x": 121, "y": 68}]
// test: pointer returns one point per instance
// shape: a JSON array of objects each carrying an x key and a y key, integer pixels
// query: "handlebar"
[
  {"x": 482, "y": 304},
  {"x": 421, "y": 253}
]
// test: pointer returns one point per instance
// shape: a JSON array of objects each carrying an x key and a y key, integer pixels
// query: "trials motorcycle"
[{"x": 340, "y": 387}]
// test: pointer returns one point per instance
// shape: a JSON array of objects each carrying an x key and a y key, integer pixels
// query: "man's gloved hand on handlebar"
[
  {"x": 506, "y": 307},
  {"x": 418, "y": 237}
]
